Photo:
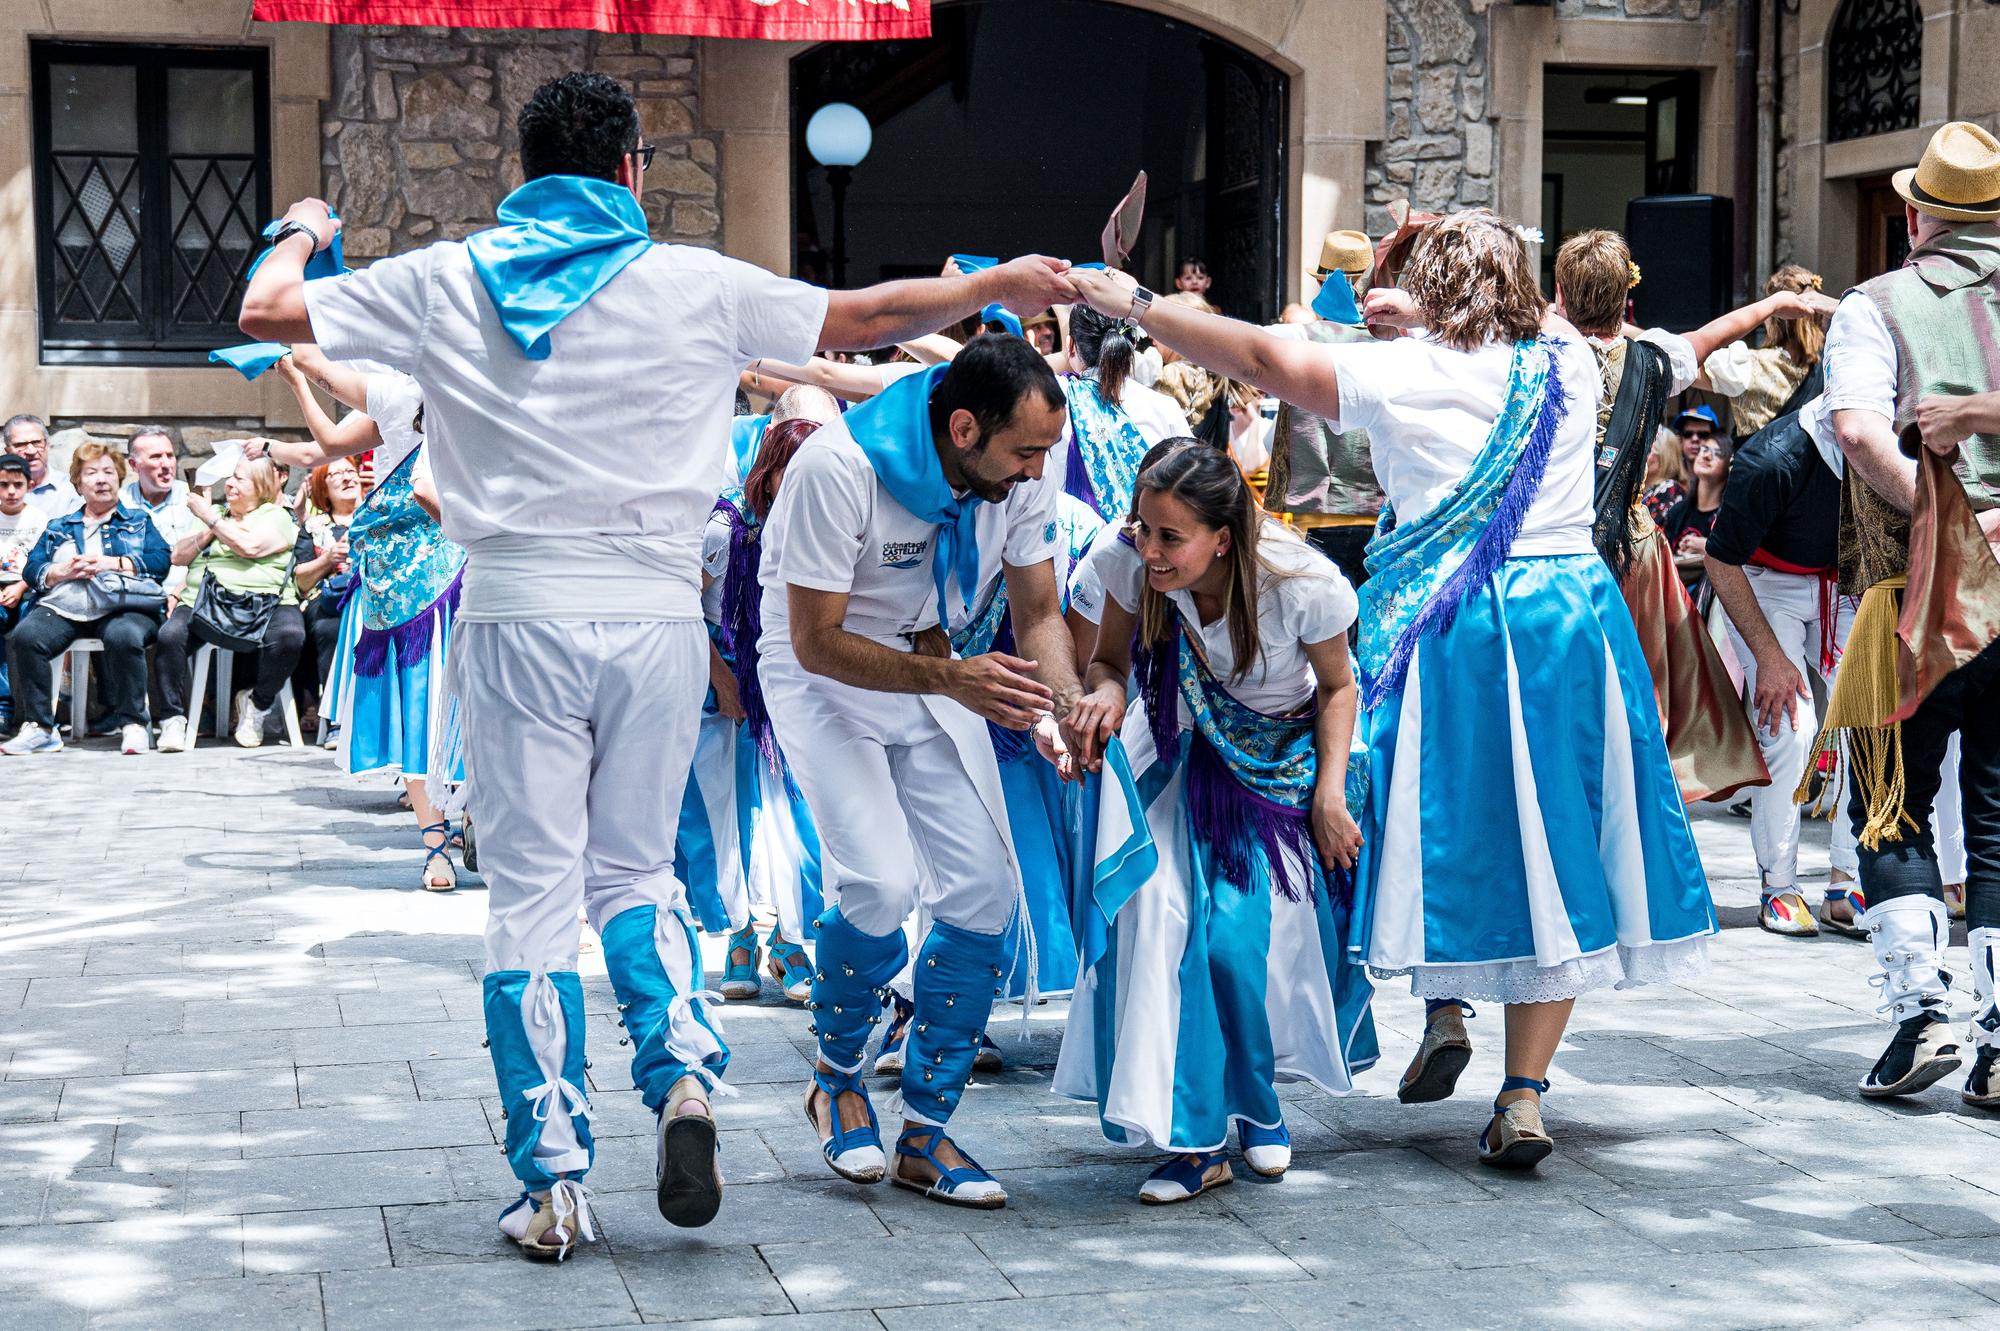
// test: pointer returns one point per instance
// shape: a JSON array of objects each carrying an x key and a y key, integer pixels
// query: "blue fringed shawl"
[
  {"x": 1421, "y": 572},
  {"x": 412, "y": 571},
  {"x": 1250, "y": 775},
  {"x": 1104, "y": 452}
]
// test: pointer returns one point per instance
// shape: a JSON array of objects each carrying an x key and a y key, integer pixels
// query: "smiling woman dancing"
[{"x": 1524, "y": 871}]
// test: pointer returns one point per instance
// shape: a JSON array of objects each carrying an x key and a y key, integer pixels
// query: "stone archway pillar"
[{"x": 1332, "y": 51}]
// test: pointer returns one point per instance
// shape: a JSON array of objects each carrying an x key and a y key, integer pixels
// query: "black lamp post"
[{"x": 838, "y": 137}]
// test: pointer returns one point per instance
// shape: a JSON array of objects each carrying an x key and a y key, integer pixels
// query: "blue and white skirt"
[
  {"x": 1196, "y": 997},
  {"x": 1038, "y": 814},
  {"x": 390, "y": 722},
  {"x": 1526, "y": 841},
  {"x": 746, "y": 844}
]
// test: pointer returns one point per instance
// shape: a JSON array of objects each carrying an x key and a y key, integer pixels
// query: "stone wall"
[
  {"x": 418, "y": 143},
  {"x": 194, "y": 440},
  {"x": 1439, "y": 148}
]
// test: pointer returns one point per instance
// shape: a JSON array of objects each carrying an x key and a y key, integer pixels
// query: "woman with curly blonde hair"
[
  {"x": 1524, "y": 841},
  {"x": 1763, "y": 383}
]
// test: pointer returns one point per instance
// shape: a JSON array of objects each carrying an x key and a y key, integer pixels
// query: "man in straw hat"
[
  {"x": 1321, "y": 476},
  {"x": 1910, "y": 548}
]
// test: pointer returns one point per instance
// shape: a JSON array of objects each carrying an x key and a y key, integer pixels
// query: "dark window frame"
[{"x": 155, "y": 339}]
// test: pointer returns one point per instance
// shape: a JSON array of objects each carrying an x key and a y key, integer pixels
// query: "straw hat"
[
  {"x": 1344, "y": 252},
  {"x": 1958, "y": 179}
]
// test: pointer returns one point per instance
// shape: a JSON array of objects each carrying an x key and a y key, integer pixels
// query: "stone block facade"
[
  {"x": 417, "y": 140},
  {"x": 1439, "y": 148}
]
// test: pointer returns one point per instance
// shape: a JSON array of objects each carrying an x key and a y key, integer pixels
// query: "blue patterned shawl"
[
  {"x": 1250, "y": 775},
  {"x": 409, "y": 568},
  {"x": 1421, "y": 572},
  {"x": 1104, "y": 452}
]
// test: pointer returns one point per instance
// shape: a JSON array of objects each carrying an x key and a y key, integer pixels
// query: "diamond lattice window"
[
  {"x": 152, "y": 180},
  {"x": 1875, "y": 57}
]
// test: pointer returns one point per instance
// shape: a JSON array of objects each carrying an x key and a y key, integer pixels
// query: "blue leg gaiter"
[
  {"x": 539, "y": 1072},
  {"x": 655, "y": 966},
  {"x": 852, "y": 970},
  {"x": 957, "y": 978}
]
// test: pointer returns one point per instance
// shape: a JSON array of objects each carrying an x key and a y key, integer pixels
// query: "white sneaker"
[
  {"x": 174, "y": 735},
  {"x": 250, "y": 725},
  {"x": 134, "y": 739},
  {"x": 32, "y": 738}
]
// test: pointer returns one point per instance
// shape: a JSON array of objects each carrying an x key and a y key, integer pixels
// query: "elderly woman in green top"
[{"x": 246, "y": 549}]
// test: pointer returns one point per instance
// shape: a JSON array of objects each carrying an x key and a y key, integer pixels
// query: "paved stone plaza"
[{"x": 244, "y": 1087}]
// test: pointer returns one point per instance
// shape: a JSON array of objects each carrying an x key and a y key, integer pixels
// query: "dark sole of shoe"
[
  {"x": 926, "y": 1191},
  {"x": 1144, "y": 1200},
  {"x": 1521, "y": 1155},
  {"x": 535, "y": 1252},
  {"x": 1920, "y": 1078},
  {"x": 689, "y": 1192},
  {"x": 1980, "y": 1101},
  {"x": 1439, "y": 1078}
]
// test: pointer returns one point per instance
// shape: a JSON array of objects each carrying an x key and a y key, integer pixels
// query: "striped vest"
[{"x": 1316, "y": 469}]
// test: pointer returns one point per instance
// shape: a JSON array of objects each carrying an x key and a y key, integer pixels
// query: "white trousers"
[
  {"x": 905, "y": 792},
  {"x": 1791, "y": 604},
  {"x": 578, "y": 739}
]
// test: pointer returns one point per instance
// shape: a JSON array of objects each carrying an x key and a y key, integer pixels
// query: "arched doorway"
[{"x": 1019, "y": 123}]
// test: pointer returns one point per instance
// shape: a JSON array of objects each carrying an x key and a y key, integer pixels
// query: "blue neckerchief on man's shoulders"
[
  {"x": 893, "y": 429},
  {"x": 560, "y": 240}
]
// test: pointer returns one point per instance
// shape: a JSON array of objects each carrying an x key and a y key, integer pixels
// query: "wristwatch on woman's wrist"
[
  {"x": 1142, "y": 300},
  {"x": 290, "y": 229}
]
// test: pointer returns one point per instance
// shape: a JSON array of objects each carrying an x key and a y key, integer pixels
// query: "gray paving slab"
[{"x": 194, "y": 1044}]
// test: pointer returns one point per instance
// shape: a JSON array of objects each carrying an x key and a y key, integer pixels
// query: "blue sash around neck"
[
  {"x": 560, "y": 240},
  {"x": 893, "y": 429},
  {"x": 1420, "y": 573}
]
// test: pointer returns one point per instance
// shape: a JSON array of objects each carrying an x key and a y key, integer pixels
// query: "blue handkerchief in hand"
[{"x": 252, "y": 358}]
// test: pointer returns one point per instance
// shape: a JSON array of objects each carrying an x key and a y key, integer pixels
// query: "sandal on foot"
[
  {"x": 789, "y": 966},
  {"x": 853, "y": 1153},
  {"x": 1785, "y": 912},
  {"x": 1446, "y": 1049},
  {"x": 1954, "y": 900},
  {"x": 988, "y": 1058},
  {"x": 739, "y": 977},
  {"x": 1186, "y": 1176},
  {"x": 687, "y": 1175},
  {"x": 439, "y": 852},
  {"x": 1515, "y": 1139},
  {"x": 546, "y": 1226},
  {"x": 964, "y": 1185},
  {"x": 1268, "y": 1151},
  {"x": 889, "y": 1061},
  {"x": 1850, "y": 894}
]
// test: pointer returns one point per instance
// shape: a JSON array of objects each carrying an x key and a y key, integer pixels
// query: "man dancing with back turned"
[{"x": 544, "y": 347}]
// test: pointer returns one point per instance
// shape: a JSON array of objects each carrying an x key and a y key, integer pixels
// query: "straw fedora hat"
[
  {"x": 1958, "y": 179},
  {"x": 1344, "y": 252}
]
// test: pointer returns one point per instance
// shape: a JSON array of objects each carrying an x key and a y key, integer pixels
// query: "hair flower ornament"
[
  {"x": 1632, "y": 274},
  {"x": 1530, "y": 234}
]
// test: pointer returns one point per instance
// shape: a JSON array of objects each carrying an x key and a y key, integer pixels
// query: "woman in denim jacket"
[{"x": 68, "y": 595}]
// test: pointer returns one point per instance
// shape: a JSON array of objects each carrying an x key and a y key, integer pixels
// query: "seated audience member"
[
  {"x": 21, "y": 525},
  {"x": 246, "y": 550},
  {"x": 1666, "y": 479},
  {"x": 81, "y": 579},
  {"x": 323, "y": 575},
  {"x": 28, "y": 437},
  {"x": 155, "y": 488},
  {"x": 1688, "y": 523}
]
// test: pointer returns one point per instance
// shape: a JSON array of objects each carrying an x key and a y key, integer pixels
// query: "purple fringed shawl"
[
  {"x": 1420, "y": 573},
  {"x": 1250, "y": 775},
  {"x": 411, "y": 638},
  {"x": 743, "y": 622}
]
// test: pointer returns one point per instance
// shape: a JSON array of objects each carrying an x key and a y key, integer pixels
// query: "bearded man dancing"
[
  {"x": 886, "y": 524},
  {"x": 544, "y": 348}
]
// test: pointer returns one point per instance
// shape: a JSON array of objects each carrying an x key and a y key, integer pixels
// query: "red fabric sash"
[
  {"x": 811, "y": 21},
  {"x": 1829, "y": 602}
]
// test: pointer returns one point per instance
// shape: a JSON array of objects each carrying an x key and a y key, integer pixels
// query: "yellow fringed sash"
[{"x": 1866, "y": 693}]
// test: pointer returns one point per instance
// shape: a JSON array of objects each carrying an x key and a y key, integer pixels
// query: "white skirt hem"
[{"x": 1526, "y": 981}]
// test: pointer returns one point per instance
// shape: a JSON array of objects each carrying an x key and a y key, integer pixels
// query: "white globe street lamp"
[{"x": 838, "y": 137}]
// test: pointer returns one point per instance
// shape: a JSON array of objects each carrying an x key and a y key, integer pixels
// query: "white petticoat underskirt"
[{"x": 1523, "y": 981}]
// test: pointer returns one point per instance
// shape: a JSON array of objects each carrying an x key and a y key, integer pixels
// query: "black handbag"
[
  {"x": 131, "y": 594},
  {"x": 235, "y": 621}
]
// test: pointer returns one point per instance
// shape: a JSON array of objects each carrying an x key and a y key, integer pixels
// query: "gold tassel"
[{"x": 1865, "y": 694}]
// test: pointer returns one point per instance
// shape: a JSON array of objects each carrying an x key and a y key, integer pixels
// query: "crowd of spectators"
[{"x": 119, "y": 554}]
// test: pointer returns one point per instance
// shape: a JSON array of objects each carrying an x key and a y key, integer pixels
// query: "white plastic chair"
[
  {"x": 79, "y": 684},
  {"x": 224, "y": 663}
]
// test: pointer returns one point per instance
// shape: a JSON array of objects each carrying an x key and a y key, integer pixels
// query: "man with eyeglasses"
[
  {"x": 27, "y": 437},
  {"x": 578, "y": 382}
]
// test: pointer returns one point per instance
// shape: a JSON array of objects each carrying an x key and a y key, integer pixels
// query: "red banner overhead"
[{"x": 774, "y": 20}]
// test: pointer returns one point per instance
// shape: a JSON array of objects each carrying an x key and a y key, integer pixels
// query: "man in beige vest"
[{"x": 1899, "y": 343}]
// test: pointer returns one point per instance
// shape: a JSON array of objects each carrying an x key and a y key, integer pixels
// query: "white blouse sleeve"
[
  {"x": 1318, "y": 602},
  {"x": 715, "y": 546},
  {"x": 1117, "y": 567}
]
